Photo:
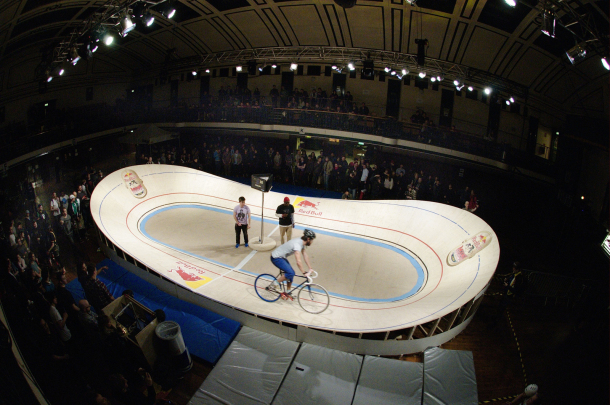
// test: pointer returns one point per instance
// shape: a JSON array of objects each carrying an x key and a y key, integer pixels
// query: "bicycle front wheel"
[
  {"x": 313, "y": 298},
  {"x": 267, "y": 287}
]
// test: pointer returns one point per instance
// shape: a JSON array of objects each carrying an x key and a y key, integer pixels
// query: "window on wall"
[{"x": 314, "y": 70}]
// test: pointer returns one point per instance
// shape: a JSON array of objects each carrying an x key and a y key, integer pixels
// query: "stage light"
[
  {"x": 440, "y": 77},
  {"x": 194, "y": 72},
  {"x": 238, "y": 68},
  {"x": 49, "y": 76},
  {"x": 470, "y": 88},
  {"x": 487, "y": 90},
  {"x": 334, "y": 67},
  {"x": 207, "y": 70},
  {"x": 260, "y": 68},
  {"x": 512, "y": 100},
  {"x": 422, "y": 74},
  {"x": 293, "y": 66},
  {"x": 126, "y": 25},
  {"x": 393, "y": 73},
  {"x": 511, "y": 3},
  {"x": 169, "y": 10},
  {"x": 149, "y": 19},
  {"x": 74, "y": 56},
  {"x": 507, "y": 102},
  {"x": 548, "y": 23},
  {"x": 387, "y": 69},
  {"x": 432, "y": 79},
  {"x": 576, "y": 53},
  {"x": 456, "y": 82},
  {"x": 351, "y": 66},
  {"x": 274, "y": 66},
  {"x": 605, "y": 63},
  {"x": 93, "y": 48},
  {"x": 405, "y": 72}
]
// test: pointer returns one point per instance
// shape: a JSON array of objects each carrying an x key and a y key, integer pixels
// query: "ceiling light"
[
  {"x": 459, "y": 87},
  {"x": 351, "y": 66},
  {"x": 149, "y": 19},
  {"x": 411, "y": 2},
  {"x": 387, "y": 69},
  {"x": 432, "y": 79},
  {"x": 512, "y": 100},
  {"x": 293, "y": 66},
  {"x": 274, "y": 66},
  {"x": 207, "y": 70},
  {"x": 456, "y": 82},
  {"x": 548, "y": 23},
  {"x": 393, "y": 73},
  {"x": 108, "y": 39},
  {"x": 507, "y": 102},
  {"x": 405, "y": 72},
  {"x": 576, "y": 53},
  {"x": 194, "y": 72},
  {"x": 605, "y": 63},
  {"x": 238, "y": 68},
  {"x": 487, "y": 90},
  {"x": 422, "y": 74},
  {"x": 470, "y": 88},
  {"x": 440, "y": 77},
  {"x": 126, "y": 25},
  {"x": 260, "y": 68},
  {"x": 511, "y": 3},
  {"x": 334, "y": 67},
  {"x": 399, "y": 77},
  {"x": 49, "y": 76},
  {"x": 74, "y": 56},
  {"x": 169, "y": 10},
  {"x": 93, "y": 48}
]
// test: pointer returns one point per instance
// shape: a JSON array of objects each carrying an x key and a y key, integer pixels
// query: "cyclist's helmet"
[
  {"x": 309, "y": 234},
  {"x": 530, "y": 390}
]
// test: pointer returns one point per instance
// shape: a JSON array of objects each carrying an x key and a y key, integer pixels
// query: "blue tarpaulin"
[{"x": 205, "y": 333}]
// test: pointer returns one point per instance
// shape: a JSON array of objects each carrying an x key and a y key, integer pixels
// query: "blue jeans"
[{"x": 282, "y": 264}]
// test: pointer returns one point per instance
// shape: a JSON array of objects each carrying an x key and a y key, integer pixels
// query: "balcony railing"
[{"x": 80, "y": 122}]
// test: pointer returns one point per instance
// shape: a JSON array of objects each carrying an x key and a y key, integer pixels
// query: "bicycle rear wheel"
[
  {"x": 313, "y": 298},
  {"x": 267, "y": 287}
]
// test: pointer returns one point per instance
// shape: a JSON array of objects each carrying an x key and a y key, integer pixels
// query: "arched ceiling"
[{"x": 481, "y": 35}]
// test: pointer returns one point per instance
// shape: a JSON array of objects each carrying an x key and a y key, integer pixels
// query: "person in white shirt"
[
  {"x": 279, "y": 258},
  {"x": 241, "y": 216}
]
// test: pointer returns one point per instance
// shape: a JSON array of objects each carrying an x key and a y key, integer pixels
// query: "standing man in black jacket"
[{"x": 285, "y": 212}]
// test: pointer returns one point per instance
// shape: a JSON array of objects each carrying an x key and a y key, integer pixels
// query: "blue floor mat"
[{"x": 205, "y": 333}]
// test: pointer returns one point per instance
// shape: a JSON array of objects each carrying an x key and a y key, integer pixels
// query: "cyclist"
[{"x": 297, "y": 247}]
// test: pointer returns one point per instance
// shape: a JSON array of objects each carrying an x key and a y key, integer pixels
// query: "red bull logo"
[
  {"x": 307, "y": 204},
  {"x": 192, "y": 280},
  {"x": 304, "y": 206}
]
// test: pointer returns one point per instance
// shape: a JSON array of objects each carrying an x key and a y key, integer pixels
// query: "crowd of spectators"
[
  {"x": 74, "y": 351},
  {"x": 368, "y": 177}
]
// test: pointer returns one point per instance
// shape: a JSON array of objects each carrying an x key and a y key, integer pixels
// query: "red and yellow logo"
[
  {"x": 303, "y": 206},
  {"x": 192, "y": 280}
]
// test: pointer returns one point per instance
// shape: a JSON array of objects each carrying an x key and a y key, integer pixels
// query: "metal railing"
[{"x": 80, "y": 122}]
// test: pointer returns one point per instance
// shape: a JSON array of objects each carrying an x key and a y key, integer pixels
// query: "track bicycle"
[{"x": 313, "y": 298}]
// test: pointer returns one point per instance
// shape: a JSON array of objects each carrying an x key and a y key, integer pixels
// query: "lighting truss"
[
  {"x": 343, "y": 56},
  {"x": 106, "y": 17}
]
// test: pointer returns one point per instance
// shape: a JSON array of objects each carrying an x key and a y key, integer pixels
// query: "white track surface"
[{"x": 383, "y": 262}]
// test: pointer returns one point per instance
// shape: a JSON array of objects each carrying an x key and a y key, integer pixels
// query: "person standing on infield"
[
  {"x": 279, "y": 258},
  {"x": 285, "y": 212},
  {"x": 241, "y": 215}
]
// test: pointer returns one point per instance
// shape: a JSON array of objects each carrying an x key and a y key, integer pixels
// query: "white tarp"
[
  {"x": 389, "y": 382},
  {"x": 249, "y": 372},
  {"x": 449, "y": 377},
  {"x": 148, "y": 134},
  {"x": 320, "y": 376}
]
